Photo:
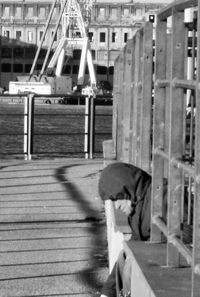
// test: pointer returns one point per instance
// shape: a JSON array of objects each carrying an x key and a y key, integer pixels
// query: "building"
[{"x": 111, "y": 24}]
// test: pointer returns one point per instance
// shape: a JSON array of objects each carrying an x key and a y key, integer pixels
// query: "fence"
[
  {"x": 31, "y": 128},
  {"x": 156, "y": 124}
]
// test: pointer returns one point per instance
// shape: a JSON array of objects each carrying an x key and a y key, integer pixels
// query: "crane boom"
[{"x": 73, "y": 36}]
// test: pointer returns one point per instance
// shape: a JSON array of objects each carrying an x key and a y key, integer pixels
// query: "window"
[
  {"x": 55, "y": 13},
  {"x": 40, "y": 34},
  {"x": 102, "y": 12},
  {"x": 29, "y": 13},
  {"x": 18, "y": 35},
  {"x": 76, "y": 54},
  {"x": 55, "y": 38},
  {"x": 18, "y": 12},
  {"x": 111, "y": 70},
  {"x": 114, "y": 13},
  {"x": 6, "y": 12},
  {"x": 75, "y": 69},
  {"x": 114, "y": 36},
  {"x": 6, "y": 67},
  {"x": 17, "y": 68},
  {"x": 138, "y": 11},
  {"x": 38, "y": 67},
  {"x": 42, "y": 53},
  {"x": 126, "y": 11},
  {"x": 30, "y": 53},
  {"x": 42, "y": 13},
  {"x": 18, "y": 52},
  {"x": 102, "y": 36},
  {"x": 30, "y": 36},
  {"x": 101, "y": 70},
  {"x": 93, "y": 54},
  {"x": 6, "y": 52},
  {"x": 90, "y": 35},
  {"x": 7, "y": 33},
  {"x": 28, "y": 68},
  {"x": 125, "y": 37},
  {"x": 67, "y": 69}
]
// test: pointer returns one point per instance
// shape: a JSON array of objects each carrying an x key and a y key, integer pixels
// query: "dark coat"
[{"x": 126, "y": 181}]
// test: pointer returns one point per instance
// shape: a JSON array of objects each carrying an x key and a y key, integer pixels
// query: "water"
[{"x": 58, "y": 129}]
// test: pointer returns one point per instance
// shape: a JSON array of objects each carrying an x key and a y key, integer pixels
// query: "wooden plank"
[
  {"x": 120, "y": 106},
  {"x": 196, "y": 233},
  {"x": 116, "y": 98},
  {"x": 176, "y": 133},
  {"x": 158, "y": 127},
  {"x": 128, "y": 64},
  {"x": 135, "y": 98},
  {"x": 132, "y": 102},
  {"x": 139, "y": 96},
  {"x": 146, "y": 102}
]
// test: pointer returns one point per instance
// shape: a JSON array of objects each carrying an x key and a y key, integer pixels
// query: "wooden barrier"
[
  {"x": 132, "y": 120},
  {"x": 152, "y": 129}
]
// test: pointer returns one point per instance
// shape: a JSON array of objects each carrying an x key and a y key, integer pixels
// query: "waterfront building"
[{"x": 110, "y": 24}]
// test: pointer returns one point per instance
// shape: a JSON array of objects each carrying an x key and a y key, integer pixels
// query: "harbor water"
[{"x": 59, "y": 130}]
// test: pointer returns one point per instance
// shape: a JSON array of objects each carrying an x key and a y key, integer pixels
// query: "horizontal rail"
[
  {"x": 181, "y": 247},
  {"x": 187, "y": 168},
  {"x": 177, "y": 83},
  {"x": 160, "y": 224},
  {"x": 179, "y": 5},
  {"x": 185, "y": 84},
  {"x": 162, "y": 83},
  {"x": 185, "y": 252}
]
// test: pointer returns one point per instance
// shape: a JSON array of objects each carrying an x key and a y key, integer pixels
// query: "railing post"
[
  {"x": 86, "y": 139},
  {"x": 91, "y": 129},
  {"x": 28, "y": 126}
]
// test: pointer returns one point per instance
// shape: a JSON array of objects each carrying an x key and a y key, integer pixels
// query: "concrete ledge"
[{"x": 151, "y": 277}]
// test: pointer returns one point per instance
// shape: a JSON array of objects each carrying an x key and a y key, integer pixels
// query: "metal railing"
[{"x": 30, "y": 127}]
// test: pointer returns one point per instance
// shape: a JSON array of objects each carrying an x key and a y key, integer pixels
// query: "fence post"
[
  {"x": 91, "y": 128},
  {"x": 86, "y": 139},
  {"x": 28, "y": 126}
]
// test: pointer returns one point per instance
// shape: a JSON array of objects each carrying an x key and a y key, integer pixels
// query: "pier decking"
[{"x": 52, "y": 228}]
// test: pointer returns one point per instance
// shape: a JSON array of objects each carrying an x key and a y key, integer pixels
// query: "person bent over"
[{"x": 129, "y": 187}]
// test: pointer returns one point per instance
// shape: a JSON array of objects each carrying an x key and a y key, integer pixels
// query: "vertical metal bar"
[
  {"x": 196, "y": 228},
  {"x": 30, "y": 126},
  {"x": 32, "y": 112},
  {"x": 25, "y": 127},
  {"x": 158, "y": 127},
  {"x": 92, "y": 132},
  {"x": 176, "y": 133},
  {"x": 146, "y": 102},
  {"x": 86, "y": 138}
]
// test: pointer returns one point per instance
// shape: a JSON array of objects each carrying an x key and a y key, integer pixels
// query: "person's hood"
[{"x": 123, "y": 181}]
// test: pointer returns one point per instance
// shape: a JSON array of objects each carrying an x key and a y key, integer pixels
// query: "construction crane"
[{"x": 73, "y": 36}]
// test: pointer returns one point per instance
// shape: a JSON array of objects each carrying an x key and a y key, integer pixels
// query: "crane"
[{"x": 73, "y": 36}]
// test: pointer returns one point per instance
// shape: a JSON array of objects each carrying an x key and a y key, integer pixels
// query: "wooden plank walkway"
[{"x": 52, "y": 229}]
